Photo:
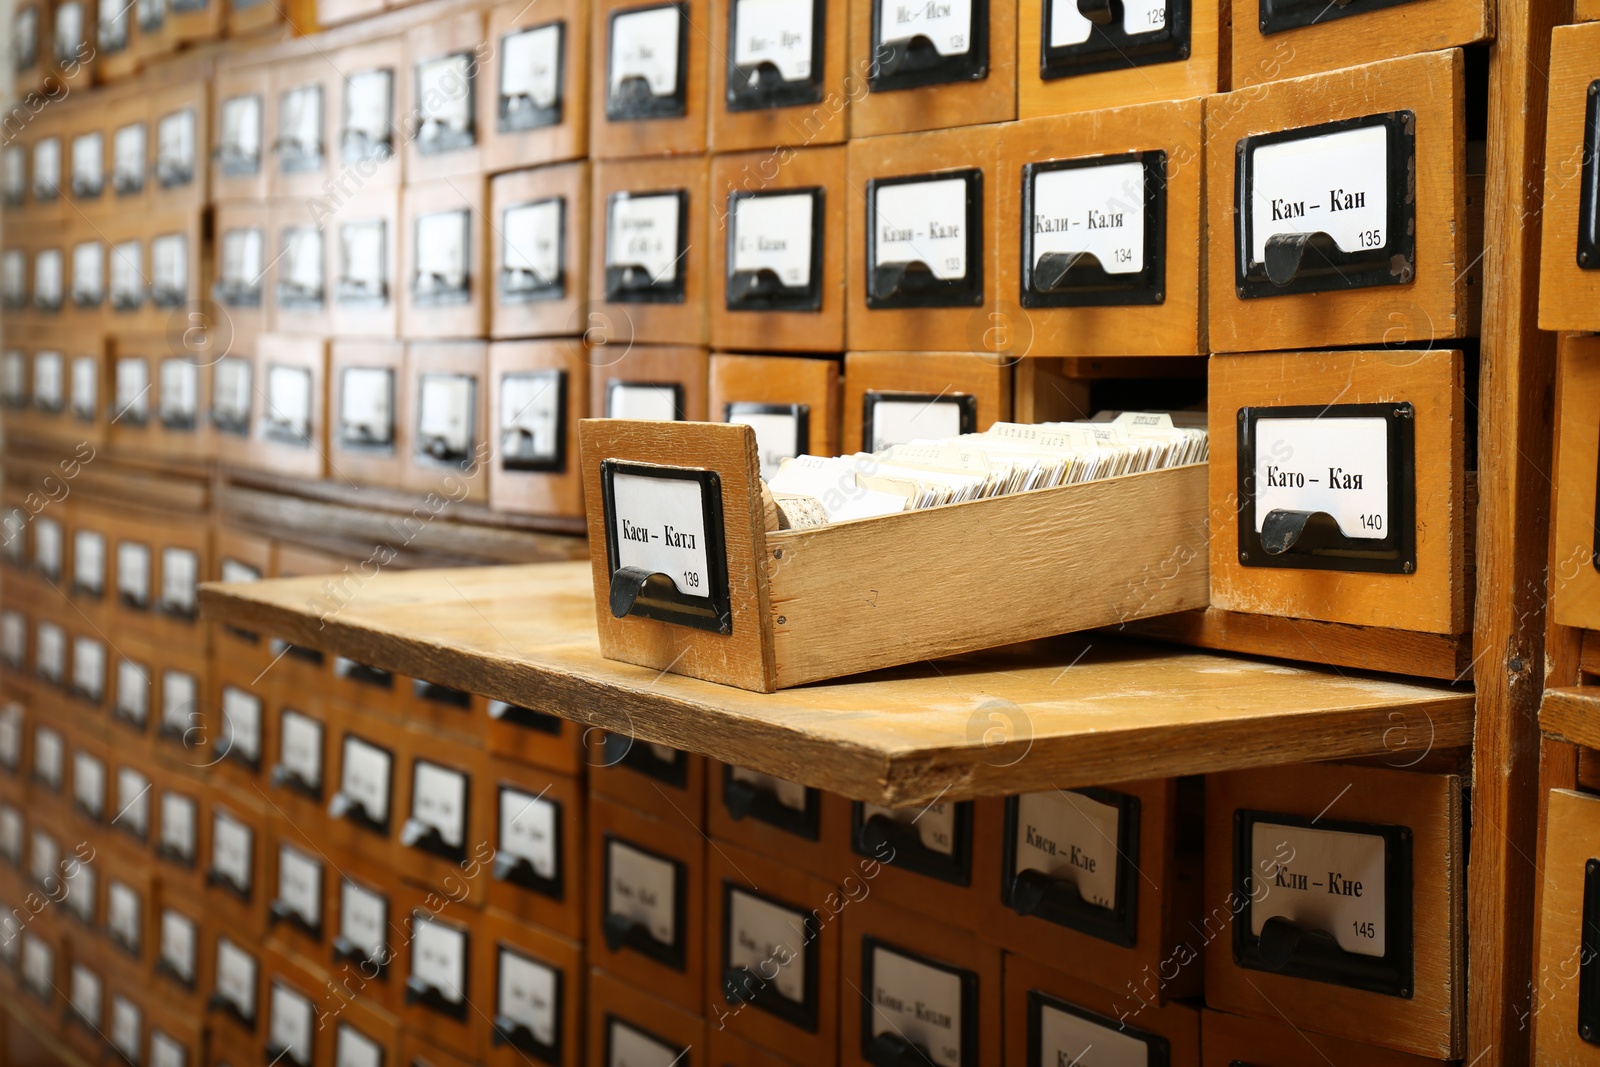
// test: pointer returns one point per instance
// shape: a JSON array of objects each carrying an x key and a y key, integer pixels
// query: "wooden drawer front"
[
  {"x": 772, "y": 974},
  {"x": 1575, "y": 564},
  {"x": 442, "y": 707},
  {"x": 298, "y": 884},
  {"x": 648, "y": 261},
  {"x": 1052, "y": 1016},
  {"x": 534, "y": 104},
  {"x": 726, "y": 1050},
  {"x": 443, "y": 260},
  {"x": 237, "y": 716},
  {"x": 1570, "y": 265},
  {"x": 252, "y": 17},
  {"x": 903, "y": 92},
  {"x": 1158, "y": 51},
  {"x": 539, "y": 250},
  {"x": 793, "y": 402},
  {"x": 1417, "y": 401},
  {"x": 237, "y": 891},
  {"x": 896, "y": 959},
  {"x": 89, "y": 545},
  {"x": 442, "y": 76},
  {"x": 1399, "y": 117},
  {"x": 196, "y": 22},
  {"x": 627, "y": 1025},
  {"x": 175, "y": 1036},
  {"x": 367, "y": 439},
  {"x": 1234, "y": 1039},
  {"x": 1123, "y": 186},
  {"x": 84, "y": 260},
  {"x": 240, "y": 264},
  {"x": 365, "y": 1033},
  {"x": 368, "y": 688},
  {"x": 298, "y": 753},
  {"x": 953, "y": 394},
  {"x": 300, "y": 669},
  {"x": 364, "y": 264},
  {"x": 807, "y": 828},
  {"x": 803, "y": 49},
  {"x": 538, "y": 390},
  {"x": 178, "y": 711},
  {"x": 648, "y": 915},
  {"x": 129, "y": 915},
  {"x": 235, "y": 408},
  {"x": 1273, "y": 39},
  {"x": 537, "y": 738},
  {"x": 364, "y": 783},
  {"x": 443, "y": 823},
  {"x": 648, "y": 101},
  {"x": 30, "y": 23},
  {"x": 903, "y": 187},
  {"x": 297, "y": 999},
  {"x": 536, "y": 824},
  {"x": 365, "y": 930},
  {"x": 1387, "y": 843},
  {"x": 440, "y": 940},
  {"x": 181, "y": 834},
  {"x": 240, "y": 557},
  {"x": 665, "y": 782},
  {"x": 302, "y": 121},
  {"x": 442, "y": 404},
  {"x": 778, "y": 251},
  {"x": 650, "y": 382},
  {"x": 181, "y": 146},
  {"x": 133, "y": 797},
  {"x": 292, "y": 429},
  {"x": 236, "y": 1003},
  {"x": 367, "y": 127},
  {"x": 534, "y": 981},
  {"x": 1565, "y": 1025},
  {"x": 299, "y": 283},
  {"x": 926, "y": 859},
  {"x": 1107, "y": 876},
  {"x": 242, "y": 123}
]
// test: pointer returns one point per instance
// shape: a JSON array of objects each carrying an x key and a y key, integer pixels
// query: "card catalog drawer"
[
  {"x": 1565, "y": 1024},
  {"x": 364, "y": 264},
  {"x": 90, "y": 771},
  {"x": 1100, "y": 246},
  {"x": 195, "y": 20},
  {"x": 236, "y": 1000},
  {"x": 297, "y": 1001},
  {"x": 1381, "y": 963},
  {"x": 180, "y": 832},
  {"x": 182, "y": 954},
  {"x": 778, "y": 250},
  {"x": 952, "y": 394},
  {"x": 30, "y": 35},
  {"x": 175, "y": 1035},
  {"x": 301, "y": 669},
  {"x": 1569, "y": 289},
  {"x": 439, "y": 942},
  {"x": 726, "y": 1050},
  {"x": 234, "y": 404},
  {"x": 442, "y": 404},
  {"x": 178, "y": 710},
  {"x": 533, "y": 982},
  {"x": 804, "y": 827},
  {"x": 772, "y": 973},
  {"x": 244, "y": 102},
  {"x": 49, "y": 252},
  {"x": 1106, "y": 877},
  {"x": 538, "y": 390},
  {"x": 365, "y": 1035},
  {"x": 236, "y": 889},
  {"x": 935, "y": 860},
  {"x": 793, "y": 402},
  {"x": 417, "y": 1052},
  {"x": 1575, "y": 559},
  {"x": 535, "y": 822},
  {"x": 292, "y": 430},
  {"x": 443, "y": 821},
  {"x": 47, "y": 176},
  {"x": 922, "y": 984},
  {"x": 1055, "y": 1017},
  {"x": 665, "y": 782},
  {"x": 538, "y": 738},
  {"x": 628, "y": 1025},
  {"x": 1393, "y": 551},
  {"x": 443, "y": 75},
  {"x": 239, "y": 269},
  {"x": 1275, "y": 39},
  {"x": 647, "y": 73},
  {"x": 365, "y": 931},
  {"x": 957, "y": 68},
  {"x": 371, "y": 689},
  {"x": 1081, "y": 57},
  {"x": 1232, "y": 1040},
  {"x": 656, "y": 382},
  {"x": 237, "y": 712},
  {"x": 539, "y": 250},
  {"x": 535, "y": 103},
  {"x": 648, "y": 911},
  {"x": 367, "y": 440},
  {"x": 130, "y": 911},
  {"x": 367, "y": 127},
  {"x": 86, "y": 158},
  {"x": 84, "y": 316},
  {"x": 298, "y": 285},
  {"x": 922, "y": 266},
  {"x": 648, "y": 262},
  {"x": 132, "y": 789},
  {"x": 180, "y": 129},
  {"x": 363, "y": 785},
  {"x": 1351, "y": 142},
  {"x": 443, "y": 259},
  {"x": 299, "y": 736},
  {"x": 441, "y": 707},
  {"x": 782, "y": 78},
  {"x": 240, "y": 557}
]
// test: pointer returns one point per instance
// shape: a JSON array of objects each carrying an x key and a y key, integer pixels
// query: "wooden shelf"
[
  {"x": 1060, "y": 713},
  {"x": 1572, "y": 714}
]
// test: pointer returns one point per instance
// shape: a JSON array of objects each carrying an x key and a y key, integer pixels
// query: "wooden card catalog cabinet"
[
  {"x": 1079, "y": 55},
  {"x": 1345, "y": 487},
  {"x": 1348, "y": 900},
  {"x": 442, "y": 404},
  {"x": 240, "y": 265},
  {"x": 443, "y": 259},
  {"x": 922, "y": 260},
  {"x": 1575, "y": 556},
  {"x": 538, "y": 390},
  {"x": 926, "y": 989},
  {"x": 1054, "y": 1017},
  {"x": 647, "y": 913},
  {"x": 366, "y": 117},
  {"x": 536, "y": 824},
  {"x": 628, "y": 1025},
  {"x": 1570, "y": 254},
  {"x": 647, "y": 72},
  {"x": 366, "y": 439},
  {"x": 891, "y": 398},
  {"x": 1235, "y": 1040},
  {"x": 1338, "y": 210},
  {"x": 291, "y": 432},
  {"x": 792, "y": 402},
  {"x": 1567, "y": 1024},
  {"x": 778, "y": 251},
  {"x": 243, "y": 98},
  {"x": 438, "y": 943},
  {"x": 779, "y": 71},
  {"x": 1275, "y": 39},
  {"x": 365, "y": 262},
  {"x": 928, "y": 68},
  {"x": 301, "y": 126},
  {"x": 182, "y": 146},
  {"x": 438, "y": 97},
  {"x": 1101, "y": 248},
  {"x": 648, "y": 264},
  {"x": 655, "y": 382},
  {"x": 539, "y": 251},
  {"x": 534, "y": 980},
  {"x": 298, "y": 275},
  {"x": 536, "y": 107}
]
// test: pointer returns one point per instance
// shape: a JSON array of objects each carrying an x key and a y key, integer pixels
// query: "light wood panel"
[
  {"x": 1571, "y": 840},
  {"x": 1569, "y": 296},
  {"x": 931, "y": 373},
  {"x": 1574, "y": 580},
  {"x": 1414, "y": 26},
  {"x": 992, "y": 98},
  {"x": 566, "y": 139}
]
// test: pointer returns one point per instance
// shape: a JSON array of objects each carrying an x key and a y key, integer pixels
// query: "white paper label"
[
  {"x": 791, "y": 795},
  {"x": 352, "y": 1048},
  {"x": 69, "y": 28},
  {"x": 14, "y": 278},
  {"x": 230, "y": 391},
  {"x": 232, "y": 843},
  {"x": 661, "y": 528},
  {"x": 179, "y": 566},
  {"x": 438, "y": 957},
  {"x": 1335, "y": 183},
  {"x": 51, "y": 651},
  {"x": 44, "y": 858},
  {"x": 133, "y": 559},
  {"x": 113, "y": 27},
  {"x": 47, "y": 168},
  {"x": 11, "y": 736},
  {"x": 644, "y": 44},
  {"x": 361, "y": 246},
  {"x": 14, "y": 383},
  {"x": 533, "y": 239},
  {"x": 89, "y": 782},
  {"x": 290, "y": 1024},
  {"x": 127, "y": 1026},
  {"x": 630, "y": 1047},
  {"x": 175, "y": 143},
  {"x": 178, "y": 701},
  {"x": 80, "y": 890},
  {"x": 530, "y": 415},
  {"x": 898, "y": 422},
  {"x": 528, "y": 825},
  {"x": 47, "y": 370},
  {"x": 85, "y": 993},
  {"x": 1069, "y": 27},
  {"x": 49, "y": 754},
  {"x": 47, "y": 538},
  {"x": 88, "y": 162},
  {"x": 1333, "y": 881},
  {"x": 13, "y": 176},
  {"x": 179, "y": 400},
  {"x": 530, "y": 65},
  {"x": 442, "y": 251},
  {"x": 85, "y": 386},
  {"x": 366, "y": 777},
  {"x": 289, "y": 401},
  {"x": 39, "y": 965},
  {"x": 775, "y": 233},
  {"x": 177, "y": 824},
  {"x": 643, "y": 888},
  {"x": 1068, "y": 1038},
  {"x": 630, "y": 400},
  {"x": 47, "y": 277},
  {"x": 236, "y": 977},
  {"x": 165, "y": 1052},
  {"x": 529, "y": 993},
  {"x": 235, "y": 571},
  {"x": 368, "y": 104},
  {"x": 127, "y": 157},
  {"x": 919, "y": 1003},
  {"x": 178, "y": 943},
  {"x": 439, "y": 800},
  {"x": 302, "y": 262},
  {"x": 1071, "y": 838},
  {"x": 133, "y": 801},
  {"x": 300, "y": 884},
  {"x": 776, "y": 32},
  {"x": 11, "y": 834},
  {"x": 122, "y": 914},
  {"x": 300, "y": 119},
  {"x": 133, "y": 388},
  {"x": 923, "y": 222},
  {"x": 300, "y": 747},
  {"x": 642, "y": 231},
  {"x": 88, "y": 278},
  {"x": 25, "y": 49},
  {"x": 1099, "y": 210},
  {"x": 127, "y": 278},
  {"x": 445, "y": 420},
  {"x": 169, "y": 264},
  {"x": 363, "y": 918},
  {"x": 89, "y": 560},
  {"x": 133, "y": 690},
  {"x": 777, "y": 437},
  {"x": 444, "y": 94},
  {"x": 241, "y": 722},
  {"x": 762, "y": 936},
  {"x": 936, "y": 824},
  {"x": 946, "y": 23},
  {"x": 241, "y": 258},
  {"x": 1329, "y": 464}
]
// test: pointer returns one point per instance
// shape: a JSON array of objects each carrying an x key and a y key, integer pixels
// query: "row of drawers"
[{"x": 1340, "y": 211}]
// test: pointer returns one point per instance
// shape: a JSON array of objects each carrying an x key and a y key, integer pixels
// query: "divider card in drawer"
[
  {"x": 1338, "y": 488},
  {"x": 1569, "y": 278},
  {"x": 1575, "y": 554},
  {"x": 1337, "y": 211},
  {"x": 1275, "y": 39}
]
